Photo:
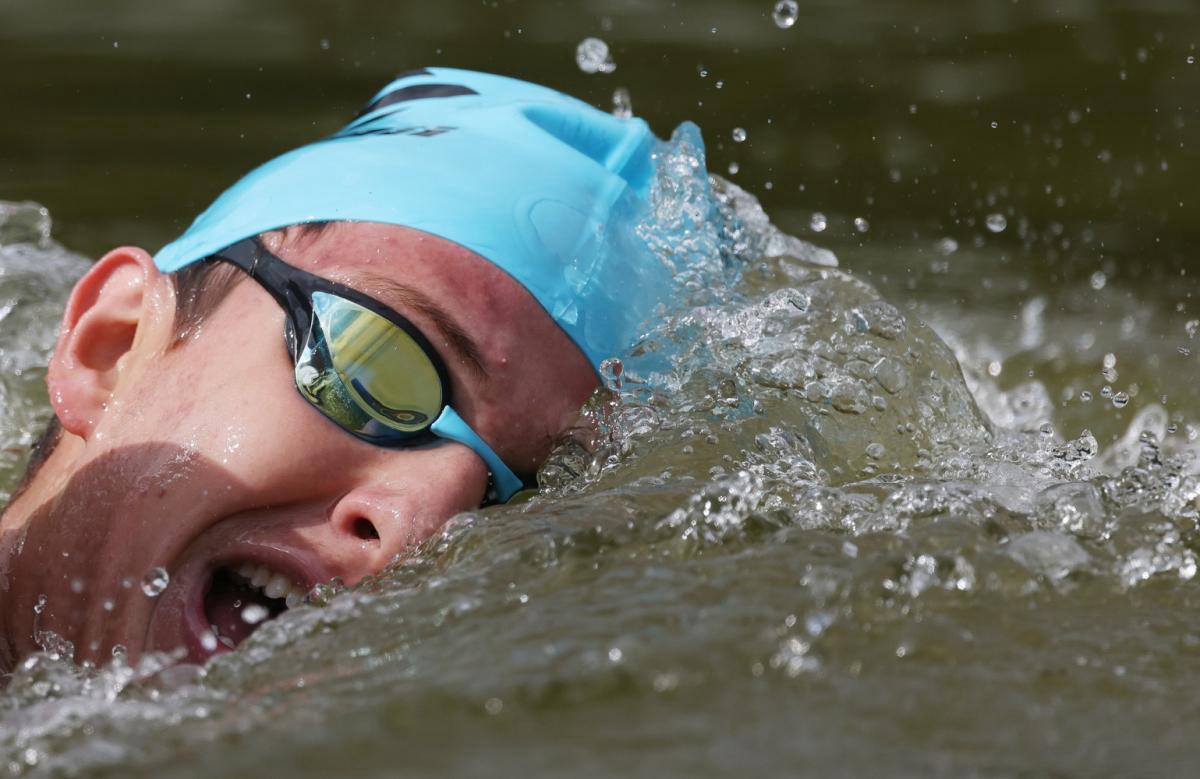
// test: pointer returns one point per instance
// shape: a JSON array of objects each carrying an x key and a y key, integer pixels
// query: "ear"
[{"x": 105, "y": 313}]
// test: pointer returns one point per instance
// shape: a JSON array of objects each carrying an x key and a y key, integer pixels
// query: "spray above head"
[{"x": 542, "y": 185}]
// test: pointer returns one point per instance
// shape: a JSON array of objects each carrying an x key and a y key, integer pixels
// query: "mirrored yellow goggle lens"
[{"x": 366, "y": 373}]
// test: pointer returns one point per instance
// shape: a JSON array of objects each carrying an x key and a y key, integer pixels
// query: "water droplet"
[
  {"x": 947, "y": 246},
  {"x": 861, "y": 225},
  {"x": 610, "y": 373},
  {"x": 155, "y": 581},
  {"x": 1085, "y": 396},
  {"x": 785, "y": 13},
  {"x": 995, "y": 367},
  {"x": 591, "y": 55},
  {"x": 1120, "y": 399},
  {"x": 739, "y": 134},
  {"x": 996, "y": 223},
  {"x": 1098, "y": 280},
  {"x": 818, "y": 222},
  {"x": 622, "y": 103},
  {"x": 1191, "y": 59},
  {"x": 876, "y": 450},
  {"x": 995, "y": 125},
  {"x": 254, "y": 613}
]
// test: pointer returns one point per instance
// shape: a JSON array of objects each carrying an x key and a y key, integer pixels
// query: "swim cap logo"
[
  {"x": 380, "y": 125},
  {"x": 367, "y": 129}
]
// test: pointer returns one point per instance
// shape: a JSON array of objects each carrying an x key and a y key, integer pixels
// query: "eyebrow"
[{"x": 397, "y": 295}]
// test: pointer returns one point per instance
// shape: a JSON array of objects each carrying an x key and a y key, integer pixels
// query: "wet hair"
[{"x": 199, "y": 289}]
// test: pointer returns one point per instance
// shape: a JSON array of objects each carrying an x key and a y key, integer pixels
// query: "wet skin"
[{"x": 202, "y": 456}]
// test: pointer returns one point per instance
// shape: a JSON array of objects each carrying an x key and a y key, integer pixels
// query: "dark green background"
[{"x": 125, "y": 118}]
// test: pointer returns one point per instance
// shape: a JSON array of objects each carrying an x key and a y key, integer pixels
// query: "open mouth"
[{"x": 242, "y": 597}]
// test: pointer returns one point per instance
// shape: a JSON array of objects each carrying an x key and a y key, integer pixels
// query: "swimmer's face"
[{"x": 203, "y": 460}]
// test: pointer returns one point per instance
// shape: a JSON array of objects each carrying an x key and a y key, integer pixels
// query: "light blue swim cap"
[{"x": 542, "y": 185}]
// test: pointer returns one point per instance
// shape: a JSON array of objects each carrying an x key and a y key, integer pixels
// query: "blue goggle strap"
[{"x": 450, "y": 425}]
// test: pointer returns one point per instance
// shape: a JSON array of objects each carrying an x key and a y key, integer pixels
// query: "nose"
[{"x": 406, "y": 501}]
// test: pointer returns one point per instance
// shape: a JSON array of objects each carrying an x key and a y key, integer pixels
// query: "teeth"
[
  {"x": 278, "y": 586},
  {"x": 272, "y": 584}
]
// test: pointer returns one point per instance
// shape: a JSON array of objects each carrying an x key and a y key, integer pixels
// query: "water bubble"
[
  {"x": 861, "y": 225},
  {"x": 155, "y": 581},
  {"x": 591, "y": 55},
  {"x": 891, "y": 375},
  {"x": 1098, "y": 280},
  {"x": 996, "y": 223},
  {"x": 1085, "y": 396},
  {"x": 785, "y": 13},
  {"x": 493, "y": 706},
  {"x": 818, "y": 223},
  {"x": 324, "y": 44},
  {"x": 611, "y": 371},
  {"x": 739, "y": 134},
  {"x": 946, "y": 247},
  {"x": 615, "y": 655},
  {"x": 1191, "y": 59},
  {"x": 1192, "y": 327},
  {"x": 876, "y": 450},
  {"x": 209, "y": 641},
  {"x": 254, "y": 613},
  {"x": 734, "y": 168},
  {"x": 1120, "y": 399},
  {"x": 622, "y": 103}
]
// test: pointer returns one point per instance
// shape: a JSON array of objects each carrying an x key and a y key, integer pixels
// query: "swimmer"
[{"x": 355, "y": 342}]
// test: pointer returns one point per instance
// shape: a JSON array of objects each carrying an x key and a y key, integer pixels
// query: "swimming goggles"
[{"x": 361, "y": 364}]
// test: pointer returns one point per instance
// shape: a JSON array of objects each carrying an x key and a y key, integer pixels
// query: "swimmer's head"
[
  {"x": 483, "y": 229},
  {"x": 540, "y": 184}
]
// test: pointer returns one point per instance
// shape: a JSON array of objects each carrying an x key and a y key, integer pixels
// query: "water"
[{"x": 914, "y": 500}]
